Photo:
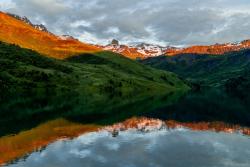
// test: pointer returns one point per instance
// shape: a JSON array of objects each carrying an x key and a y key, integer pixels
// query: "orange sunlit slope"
[{"x": 18, "y": 32}]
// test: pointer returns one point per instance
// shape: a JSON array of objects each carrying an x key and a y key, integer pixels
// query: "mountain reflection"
[
  {"x": 154, "y": 148},
  {"x": 27, "y": 111}
]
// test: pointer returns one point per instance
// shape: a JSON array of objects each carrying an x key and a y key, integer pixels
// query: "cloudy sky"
[{"x": 165, "y": 22}]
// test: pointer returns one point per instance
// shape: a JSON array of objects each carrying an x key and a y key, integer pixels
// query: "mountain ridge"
[
  {"x": 143, "y": 50},
  {"x": 139, "y": 50},
  {"x": 40, "y": 27},
  {"x": 22, "y": 33}
]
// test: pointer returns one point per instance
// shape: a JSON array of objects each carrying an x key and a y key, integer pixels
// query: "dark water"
[
  {"x": 207, "y": 106},
  {"x": 24, "y": 112},
  {"x": 19, "y": 113},
  {"x": 175, "y": 148}
]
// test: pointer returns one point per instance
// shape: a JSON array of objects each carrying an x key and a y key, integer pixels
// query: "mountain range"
[
  {"x": 144, "y": 50},
  {"x": 139, "y": 50},
  {"x": 21, "y": 31}
]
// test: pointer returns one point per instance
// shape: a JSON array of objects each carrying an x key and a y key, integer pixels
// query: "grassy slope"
[
  {"x": 22, "y": 69},
  {"x": 208, "y": 69}
]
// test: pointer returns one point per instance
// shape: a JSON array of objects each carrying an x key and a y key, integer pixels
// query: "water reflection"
[
  {"x": 15, "y": 146},
  {"x": 27, "y": 111},
  {"x": 41, "y": 118},
  {"x": 207, "y": 106},
  {"x": 21, "y": 145},
  {"x": 155, "y": 148}
]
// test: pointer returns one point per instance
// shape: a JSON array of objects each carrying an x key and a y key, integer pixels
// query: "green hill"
[
  {"x": 103, "y": 72},
  {"x": 210, "y": 70}
]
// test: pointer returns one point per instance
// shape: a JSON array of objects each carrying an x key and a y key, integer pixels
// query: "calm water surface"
[
  {"x": 132, "y": 148},
  {"x": 36, "y": 116}
]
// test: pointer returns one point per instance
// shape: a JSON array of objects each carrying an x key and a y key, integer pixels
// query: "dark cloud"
[{"x": 174, "y": 22}]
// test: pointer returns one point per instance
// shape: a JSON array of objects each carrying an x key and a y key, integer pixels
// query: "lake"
[{"x": 208, "y": 128}]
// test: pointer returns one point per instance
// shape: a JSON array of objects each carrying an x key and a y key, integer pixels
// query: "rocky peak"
[
  {"x": 67, "y": 37},
  {"x": 114, "y": 42},
  {"x": 145, "y": 50},
  {"x": 41, "y": 27},
  {"x": 24, "y": 19}
]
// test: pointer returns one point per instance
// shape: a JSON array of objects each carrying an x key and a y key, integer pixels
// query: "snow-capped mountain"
[
  {"x": 151, "y": 50},
  {"x": 143, "y": 50},
  {"x": 139, "y": 50}
]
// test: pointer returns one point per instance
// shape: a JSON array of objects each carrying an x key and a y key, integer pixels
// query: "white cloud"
[
  {"x": 112, "y": 30},
  {"x": 79, "y": 23},
  {"x": 90, "y": 38},
  {"x": 7, "y": 4}
]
